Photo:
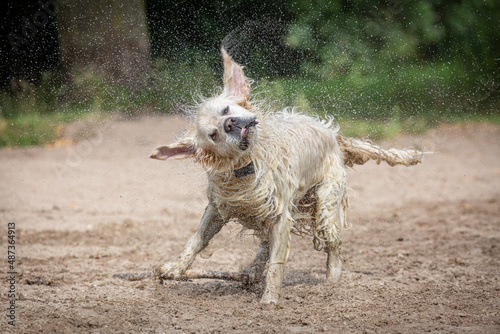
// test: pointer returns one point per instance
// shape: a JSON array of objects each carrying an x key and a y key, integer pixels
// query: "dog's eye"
[
  {"x": 214, "y": 135},
  {"x": 225, "y": 111}
]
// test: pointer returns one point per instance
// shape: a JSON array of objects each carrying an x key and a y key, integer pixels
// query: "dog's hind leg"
[
  {"x": 277, "y": 257},
  {"x": 255, "y": 269},
  {"x": 211, "y": 224},
  {"x": 331, "y": 219}
]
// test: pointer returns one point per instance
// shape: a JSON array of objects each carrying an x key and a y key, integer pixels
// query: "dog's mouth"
[{"x": 245, "y": 131}]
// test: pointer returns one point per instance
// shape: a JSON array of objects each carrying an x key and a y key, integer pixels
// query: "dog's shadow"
[{"x": 215, "y": 287}]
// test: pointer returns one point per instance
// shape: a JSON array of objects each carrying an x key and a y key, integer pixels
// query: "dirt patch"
[{"x": 423, "y": 253}]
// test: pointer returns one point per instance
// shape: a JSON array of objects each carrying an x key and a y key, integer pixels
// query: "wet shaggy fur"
[{"x": 275, "y": 173}]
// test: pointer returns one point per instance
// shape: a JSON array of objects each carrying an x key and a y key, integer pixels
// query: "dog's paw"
[
  {"x": 333, "y": 274},
  {"x": 269, "y": 298},
  {"x": 252, "y": 275},
  {"x": 171, "y": 270}
]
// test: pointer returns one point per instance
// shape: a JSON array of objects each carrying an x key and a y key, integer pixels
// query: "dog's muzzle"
[{"x": 239, "y": 128}]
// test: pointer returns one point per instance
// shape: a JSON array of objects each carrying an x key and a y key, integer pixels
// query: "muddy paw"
[
  {"x": 171, "y": 270},
  {"x": 251, "y": 276},
  {"x": 269, "y": 298},
  {"x": 333, "y": 275}
]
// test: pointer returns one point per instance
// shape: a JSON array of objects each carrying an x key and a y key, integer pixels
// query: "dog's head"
[{"x": 224, "y": 129}]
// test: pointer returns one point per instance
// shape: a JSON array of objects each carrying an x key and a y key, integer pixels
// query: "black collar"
[{"x": 244, "y": 171}]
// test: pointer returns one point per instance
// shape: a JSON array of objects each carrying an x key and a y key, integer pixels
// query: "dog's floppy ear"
[
  {"x": 184, "y": 148},
  {"x": 235, "y": 82}
]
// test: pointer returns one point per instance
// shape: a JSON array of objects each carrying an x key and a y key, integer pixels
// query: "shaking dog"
[{"x": 275, "y": 173}]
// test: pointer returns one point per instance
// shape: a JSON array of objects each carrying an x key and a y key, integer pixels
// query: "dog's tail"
[{"x": 357, "y": 152}]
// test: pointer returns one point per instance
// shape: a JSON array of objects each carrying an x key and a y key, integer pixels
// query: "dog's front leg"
[
  {"x": 278, "y": 254},
  {"x": 256, "y": 268},
  {"x": 211, "y": 224}
]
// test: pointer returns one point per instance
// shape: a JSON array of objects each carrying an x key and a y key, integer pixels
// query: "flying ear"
[
  {"x": 235, "y": 82},
  {"x": 184, "y": 148}
]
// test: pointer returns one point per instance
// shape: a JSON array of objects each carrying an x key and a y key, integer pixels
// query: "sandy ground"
[{"x": 423, "y": 253}]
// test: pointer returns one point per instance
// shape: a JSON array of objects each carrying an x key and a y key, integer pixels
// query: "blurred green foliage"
[
  {"x": 417, "y": 56},
  {"x": 30, "y": 114},
  {"x": 388, "y": 65}
]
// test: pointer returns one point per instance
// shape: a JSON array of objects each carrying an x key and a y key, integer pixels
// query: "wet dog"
[{"x": 276, "y": 173}]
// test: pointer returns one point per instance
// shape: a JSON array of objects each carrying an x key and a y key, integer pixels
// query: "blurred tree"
[
  {"x": 108, "y": 36},
  {"x": 28, "y": 40}
]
